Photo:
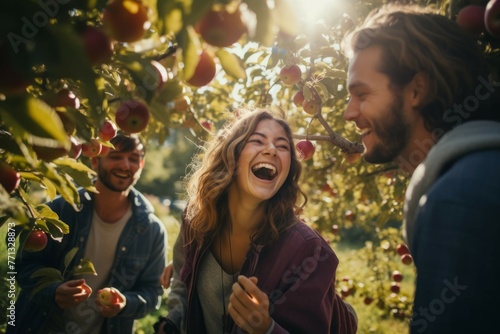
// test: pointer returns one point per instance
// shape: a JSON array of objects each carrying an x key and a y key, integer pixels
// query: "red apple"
[
  {"x": 335, "y": 229},
  {"x": 182, "y": 103},
  {"x": 207, "y": 125},
  {"x": 97, "y": 44},
  {"x": 132, "y": 116},
  {"x": 406, "y": 259},
  {"x": 91, "y": 149},
  {"x": 471, "y": 18},
  {"x": 368, "y": 300},
  {"x": 66, "y": 98},
  {"x": 352, "y": 157},
  {"x": 9, "y": 177},
  {"x": 349, "y": 215},
  {"x": 76, "y": 148},
  {"x": 395, "y": 287},
  {"x": 204, "y": 72},
  {"x": 305, "y": 149},
  {"x": 127, "y": 20},
  {"x": 36, "y": 241},
  {"x": 402, "y": 249},
  {"x": 221, "y": 28},
  {"x": 104, "y": 151},
  {"x": 492, "y": 18},
  {"x": 311, "y": 107},
  {"x": 344, "y": 291},
  {"x": 161, "y": 72},
  {"x": 290, "y": 75},
  {"x": 108, "y": 130},
  {"x": 107, "y": 297},
  {"x": 397, "y": 276},
  {"x": 298, "y": 98}
]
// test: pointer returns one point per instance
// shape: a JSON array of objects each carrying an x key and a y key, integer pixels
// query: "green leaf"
[
  {"x": 84, "y": 267},
  {"x": 24, "y": 112},
  {"x": 63, "y": 185},
  {"x": 69, "y": 257},
  {"x": 264, "y": 30},
  {"x": 191, "y": 52},
  {"x": 231, "y": 64},
  {"x": 145, "y": 76},
  {"x": 48, "y": 273}
]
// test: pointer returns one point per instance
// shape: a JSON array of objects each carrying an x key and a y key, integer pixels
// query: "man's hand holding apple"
[
  {"x": 72, "y": 293},
  {"x": 111, "y": 301}
]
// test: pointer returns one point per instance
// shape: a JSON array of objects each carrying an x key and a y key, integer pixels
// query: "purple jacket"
[{"x": 297, "y": 272}]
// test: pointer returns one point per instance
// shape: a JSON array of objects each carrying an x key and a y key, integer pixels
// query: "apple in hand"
[
  {"x": 471, "y": 18},
  {"x": 132, "y": 116},
  {"x": 204, "y": 72},
  {"x": 9, "y": 178},
  {"x": 108, "y": 130},
  {"x": 36, "y": 241},
  {"x": 107, "y": 297},
  {"x": 127, "y": 20},
  {"x": 492, "y": 18},
  {"x": 305, "y": 149},
  {"x": 290, "y": 75}
]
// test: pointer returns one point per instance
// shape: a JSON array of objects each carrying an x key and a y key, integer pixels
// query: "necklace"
[{"x": 225, "y": 315}]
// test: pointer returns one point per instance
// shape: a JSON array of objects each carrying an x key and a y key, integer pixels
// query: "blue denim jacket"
[{"x": 136, "y": 270}]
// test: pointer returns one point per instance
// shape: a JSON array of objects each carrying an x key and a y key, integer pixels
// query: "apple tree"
[{"x": 72, "y": 73}]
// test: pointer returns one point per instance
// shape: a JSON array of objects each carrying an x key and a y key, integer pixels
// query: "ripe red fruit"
[
  {"x": 107, "y": 296},
  {"x": 349, "y": 215},
  {"x": 335, "y": 229},
  {"x": 471, "y": 18},
  {"x": 161, "y": 72},
  {"x": 65, "y": 98},
  {"x": 49, "y": 153},
  {"x": 132, "y": 116},
  {"x": 311, "y": 107},
  {"x": 352, "y": 157},
  {"x": 492, "y": 18},
  {"x": 395, "y": 287},
  {"x": 182, "y": 103},
  {"x": 221, "y": 28},
  {"x": 406, "y": 259},
  {"x": 36, "y": 241},
  {"x": 9, "y": 177},
  {"x": 204, "y": 72},
  {"x": 298, "y": 98},
  {"x": 92, "y": 148},
  {"x": 305, "y": 149},
  {"x": 127, "y": 20},
  {"x": 76, "y": 148},
  {"x": 344, "y": 291},
  {"x": 402, "y": 249},
  {"x": 108, "y": 130},
  {"x": 207, "y": 125},
  {"x": 397, "y": 276},
  {"x": 98, "y": 46},
  {"x": 104, "y": 150},
  {"x": 368, "y": 300},
  {"x": 290, "y": 75}
]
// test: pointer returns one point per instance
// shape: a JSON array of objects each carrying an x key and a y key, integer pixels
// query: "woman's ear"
[{"x": 419, "y": 88}]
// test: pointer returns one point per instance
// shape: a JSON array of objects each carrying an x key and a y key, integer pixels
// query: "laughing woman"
[{"x": 244, "y": 261}]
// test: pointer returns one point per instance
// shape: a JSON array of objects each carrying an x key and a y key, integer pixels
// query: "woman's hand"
[{"x": 249, "y": 306}]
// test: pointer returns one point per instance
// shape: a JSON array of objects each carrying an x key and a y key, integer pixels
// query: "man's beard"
[
  {"x": 105, "y": 178},
  {"x": 393, "y": 134}
]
